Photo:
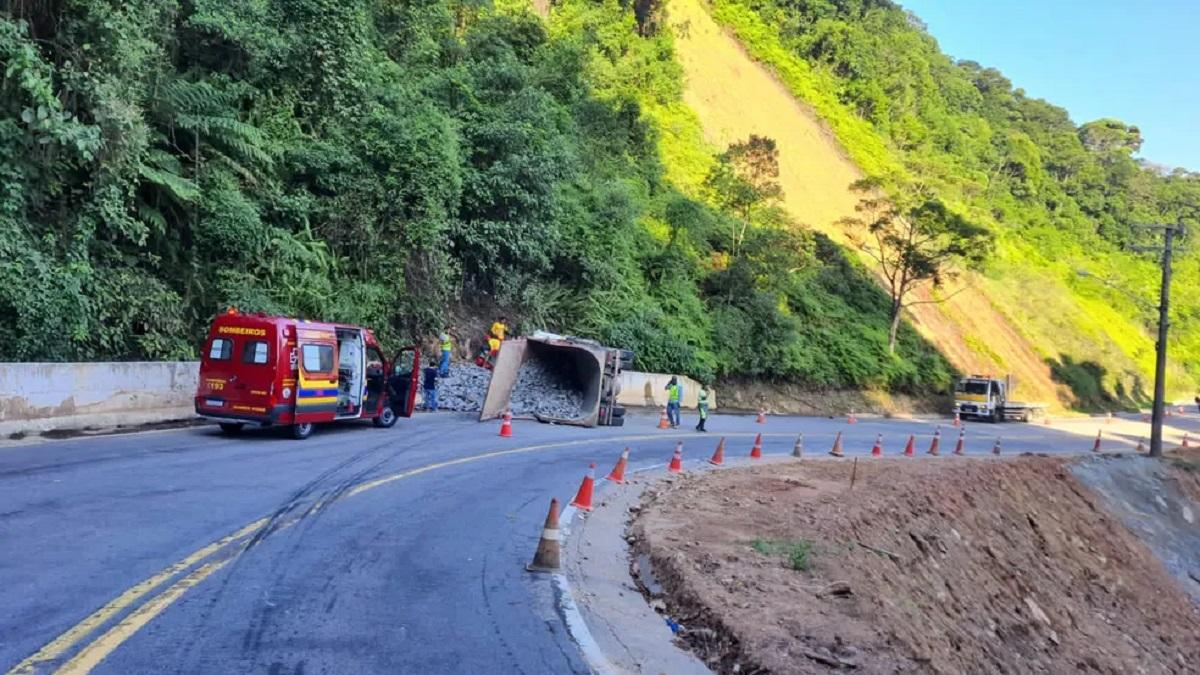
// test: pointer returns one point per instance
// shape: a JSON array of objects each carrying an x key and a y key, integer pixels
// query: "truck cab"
[{"x": 980, "y": 397}]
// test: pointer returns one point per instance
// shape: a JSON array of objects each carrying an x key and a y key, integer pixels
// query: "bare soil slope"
[
  {"x": 735, "y": 96},
  {"x": 972, "y": 566}
]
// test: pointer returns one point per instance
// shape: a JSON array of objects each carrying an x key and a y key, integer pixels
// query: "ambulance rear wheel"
[
  {"x": 302, "y": 431},
  {"x": 386, "y": 419},
  {"x": 231, "y": 428}
]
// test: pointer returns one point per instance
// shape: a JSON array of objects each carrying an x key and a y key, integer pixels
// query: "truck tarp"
[{"x": 584, "y": 361}]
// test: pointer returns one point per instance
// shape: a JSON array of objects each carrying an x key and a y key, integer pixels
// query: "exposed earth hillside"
[{"x": 1031, "y": 313}]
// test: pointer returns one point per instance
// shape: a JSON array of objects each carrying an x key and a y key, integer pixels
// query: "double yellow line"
[{"x": 99, "y": 648}]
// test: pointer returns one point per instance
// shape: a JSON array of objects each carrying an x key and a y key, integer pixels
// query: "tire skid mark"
[{"x": 227, "y": 552}]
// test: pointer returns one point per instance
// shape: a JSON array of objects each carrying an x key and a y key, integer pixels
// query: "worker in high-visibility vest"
[
  {"x": 444, "y": 364},
  {"x": 702, "y": 407},
  {"x": 674, "y": 392},
  {"x": 500, "y": 328},
  {"x": 493, "y": 352}
]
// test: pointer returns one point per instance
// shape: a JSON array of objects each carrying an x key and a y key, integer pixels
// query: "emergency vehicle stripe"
[{"x": 318, "y": 393}]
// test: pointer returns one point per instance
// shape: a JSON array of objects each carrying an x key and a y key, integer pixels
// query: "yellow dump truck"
[{"x": 986, "y": 398}]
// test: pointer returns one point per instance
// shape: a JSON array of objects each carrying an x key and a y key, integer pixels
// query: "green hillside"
[
  {"x": 398, "y": 163},
  {"x": 1062, "y": 198}
]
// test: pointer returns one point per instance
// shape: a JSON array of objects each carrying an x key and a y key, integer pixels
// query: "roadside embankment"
[{"x": 976, "y": 565}]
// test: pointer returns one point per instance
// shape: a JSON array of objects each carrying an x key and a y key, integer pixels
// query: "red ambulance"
[{"x": 279, "y": 371}]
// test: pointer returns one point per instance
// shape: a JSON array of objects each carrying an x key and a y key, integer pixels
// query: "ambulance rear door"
[{"x": 317, "y": 380}]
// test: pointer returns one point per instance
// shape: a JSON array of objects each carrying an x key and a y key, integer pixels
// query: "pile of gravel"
[
  {"x": 464, "y": 388},
  {"x": 540, "y": 390},
  {"x": 543, "y": 390}
]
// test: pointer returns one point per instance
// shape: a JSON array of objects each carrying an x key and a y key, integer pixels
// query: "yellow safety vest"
[{"x": 446, "y": 346}]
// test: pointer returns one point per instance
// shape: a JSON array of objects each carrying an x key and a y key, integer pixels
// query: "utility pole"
[{"x": 1160, "y": 363}]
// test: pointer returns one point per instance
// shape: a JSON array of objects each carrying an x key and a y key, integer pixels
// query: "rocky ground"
[
  {"x": 950, "y": 567},
  {"x": 464, "y": 389},
  {"x": 540, "y": 390}
]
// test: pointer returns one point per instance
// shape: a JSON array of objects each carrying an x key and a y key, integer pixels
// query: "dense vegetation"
[
  {"x": 401, "y": 163},
  {"x": 1062, "y": 198},
  {"x": 394, "y": 163}
]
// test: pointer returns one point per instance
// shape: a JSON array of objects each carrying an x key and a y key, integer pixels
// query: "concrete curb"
[
  {"x": 15, "y": 429},
  {"x": 623, "y": 632}
]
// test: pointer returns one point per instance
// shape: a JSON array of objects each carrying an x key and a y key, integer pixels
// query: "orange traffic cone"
[
  {"x": 663, "y": 422},
  {"x": 617, "y": 475},
  {"x": 798, "y": 448},
  {"x": 877, "y": 449},
  {"x": 546, "y": 559},
  {"x": 1096, "y": 445},
  {"x": 962, "y": 440},
  {"x": 837, "y": 446},
  {"x": 756, "y": 451},
  {"x": 506, "y": 425},
  {"x": 850, "y": 419},
  {"x": 937, "y": 441},
  {"x": 909, "y": 450},
  {"x": 762, "y": 416},
  {"x": 583, "y": 498},
  {"x": 676, "y": 465},
  {"x": 957, "y": 419},
  {"x": 718, "y": 457}
]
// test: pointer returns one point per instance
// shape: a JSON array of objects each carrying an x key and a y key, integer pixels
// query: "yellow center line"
[
  {"x": 101, "y": 647},
  {"x": 68, "y": 639}
]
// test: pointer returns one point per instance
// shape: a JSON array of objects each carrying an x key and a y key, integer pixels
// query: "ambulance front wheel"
[
  {"x": 386, "y": 419},
  {"x": 302, "y": 431},
  {"x": 231, "y": 428}
]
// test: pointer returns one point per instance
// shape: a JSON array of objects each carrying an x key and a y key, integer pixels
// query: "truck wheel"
[
  {"x": 231, "y": 428},
  {"x": 386, "y": 419},
  {"x": 302, "y": 431}
]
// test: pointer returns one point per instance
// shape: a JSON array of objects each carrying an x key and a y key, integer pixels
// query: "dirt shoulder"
[{"x": 953, "y": 567}]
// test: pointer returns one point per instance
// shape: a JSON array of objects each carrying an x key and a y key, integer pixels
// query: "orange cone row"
[{"x": 547, "y": 556}]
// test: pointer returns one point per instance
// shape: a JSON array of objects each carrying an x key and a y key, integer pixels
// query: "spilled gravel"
[{"x": 542, "y": 389}]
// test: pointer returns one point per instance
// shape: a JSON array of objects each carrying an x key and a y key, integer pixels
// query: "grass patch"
[{"x": 796, "y": 551}]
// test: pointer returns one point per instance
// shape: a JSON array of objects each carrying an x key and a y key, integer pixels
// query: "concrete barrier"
[
  {"x": 37, "y": 397},
  {"x": 650, "y": 390}
]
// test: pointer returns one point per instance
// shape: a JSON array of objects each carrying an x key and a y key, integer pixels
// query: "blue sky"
[{"x": 1135, "y": 61}]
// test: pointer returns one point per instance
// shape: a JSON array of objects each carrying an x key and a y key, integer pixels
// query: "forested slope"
[
  {"x": 1062, "y": 199},
  {"x": 394, "y": 162}
]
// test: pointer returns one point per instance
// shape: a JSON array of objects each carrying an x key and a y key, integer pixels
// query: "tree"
[
  {"x": 914, "y": 241},
  {"x": 744, "y": 179}
]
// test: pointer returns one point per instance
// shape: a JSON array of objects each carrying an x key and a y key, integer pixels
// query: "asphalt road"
[{"x": 359, "y": 550}]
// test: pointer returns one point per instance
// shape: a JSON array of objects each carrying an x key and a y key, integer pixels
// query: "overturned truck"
[{"x": 557, "y": 379}]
